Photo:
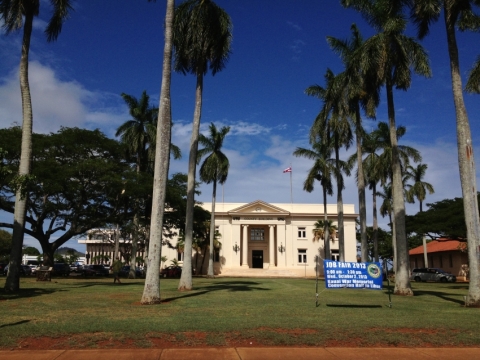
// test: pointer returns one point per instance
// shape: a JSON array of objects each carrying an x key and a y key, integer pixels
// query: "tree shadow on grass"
[
  {"x": 15, "y": 323},
  {"x": 355, "y": 306},
  {"x": 439, "y": 294},
  {"x": 27, "y": 293},
  {"x": 231, "y": 286}
]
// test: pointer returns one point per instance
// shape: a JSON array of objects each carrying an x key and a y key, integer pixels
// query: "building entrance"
[{"x": 257, "y": 259}]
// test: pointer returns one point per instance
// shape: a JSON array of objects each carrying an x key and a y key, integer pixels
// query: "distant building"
[
  {"x": 270, "y": 237},
  {"x": 449, "y": 255}
]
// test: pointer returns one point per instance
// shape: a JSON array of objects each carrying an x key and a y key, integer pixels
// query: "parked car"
[
  {"x": 24, "y": 270},
  {"x": 171, "y": 271},
  {"x": 2, "y": 268},
  {"x": 60, "y": 269},
  {"x": 432, "y": 274},
  {"x": 94, "y": 270},
  {"x": 139, "y": 273}
]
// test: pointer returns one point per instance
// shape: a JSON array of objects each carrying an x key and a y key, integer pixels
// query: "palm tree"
[
  {"x": 319, "y": 231},
  {"x": 391, "y": 55},
  {"x": 17, "y": 14},
  {"x": 322, "y": 170},
  {"x": 356, "y": 96},
  {"x": 419, "y": 188},
  {"x": 214, "y": 168},
  {"x": 151, "y": 290},
  {"x": 332, "y": 122},
  {"x": 473, "y": 83},
  {"x": 202, "y": 36},
  {"x": 459, "y": 13},
  {"x": 138, "y": 134}
]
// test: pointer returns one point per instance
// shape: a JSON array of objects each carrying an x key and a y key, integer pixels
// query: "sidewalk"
[{"x": 246, "y": 354}]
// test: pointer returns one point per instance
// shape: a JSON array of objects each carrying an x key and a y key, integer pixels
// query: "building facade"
[{"x": 268, "y": 237}]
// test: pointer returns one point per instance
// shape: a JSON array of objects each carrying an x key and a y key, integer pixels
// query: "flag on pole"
[{"x": 289, "y": 169}]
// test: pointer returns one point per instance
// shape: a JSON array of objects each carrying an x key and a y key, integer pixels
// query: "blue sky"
[{"x": 279, "y": 49}]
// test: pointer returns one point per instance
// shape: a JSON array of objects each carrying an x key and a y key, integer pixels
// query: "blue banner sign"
[{"x": 352, "y": 275}]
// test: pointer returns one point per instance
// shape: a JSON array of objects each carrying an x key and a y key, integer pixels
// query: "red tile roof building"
[{"x": 449, "y": 255}]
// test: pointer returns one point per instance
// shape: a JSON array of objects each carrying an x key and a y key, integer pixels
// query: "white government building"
[{"x": 264, "y": 238}]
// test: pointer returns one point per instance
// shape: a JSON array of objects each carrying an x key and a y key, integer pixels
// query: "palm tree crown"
[
  {"x": 215, "y": 166},
  {"x": 419, "y": 188}
]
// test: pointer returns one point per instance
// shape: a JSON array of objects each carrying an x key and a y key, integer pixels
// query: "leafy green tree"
[
  {"x": 322, "y": 171},
  {"x": 30, "y": 250},
  {"x": 15, "y": 15},
  {"x": 459, "y": 14},
  {"x": 213, "y": 169},
  {"x": 443, "y": 218},
  {"x": 391, "y": 55},
  {"x": 76, "y": 176},
  {"x": 202, "y": 33},
  {"x": 419, "y": 187},
  {"x": 5, "y": 245}
]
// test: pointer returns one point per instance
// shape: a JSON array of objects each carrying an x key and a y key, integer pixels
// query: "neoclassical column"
[
  {"x": 245, "y": 246},
  {"x": 272, "y": 245}
]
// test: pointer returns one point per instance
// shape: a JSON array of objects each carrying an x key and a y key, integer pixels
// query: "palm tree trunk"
[
  {"x": 133, "y": 258},
  {"x": 186, "y": 278},
  {"x": 375, "y": 222},
  {"x": 12, "y": 282},
  {"x": 151, "y": 291},
  {"x": 326, "y": 235},
  {"x": 466, "y": 162},
  {"x": 341, "y": 229},
  {"x": 361, "y": 188},
  {"x": 210, "y": 272},
  {"x": 402, "y": 278}
]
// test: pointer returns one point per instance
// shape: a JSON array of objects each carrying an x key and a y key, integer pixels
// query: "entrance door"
[{"x": 257, "y": 259}]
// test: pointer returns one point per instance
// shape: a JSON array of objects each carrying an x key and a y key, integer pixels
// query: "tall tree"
[
  {"x": 151, "y": 290},
  {"x": 322, "y": 170},
  {"x": 214, "y": 168},
  {"x": 460, "y": 14},
  {"x": 138, "y": 134},
  {"x": 419, "y": 187},
  {"x": 332, "y": 122},
  {"x": 392, "y": 55},
  {"x": 15, "y": 15},
  {"x": 202, "y": 34},
  {"x": 353, "y": 85}
]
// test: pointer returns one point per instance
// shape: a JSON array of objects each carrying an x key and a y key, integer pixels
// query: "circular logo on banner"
[{"x": 374, "y": 271}]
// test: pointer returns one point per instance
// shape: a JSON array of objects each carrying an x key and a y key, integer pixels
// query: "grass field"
[{"x": 87, "y": 313}]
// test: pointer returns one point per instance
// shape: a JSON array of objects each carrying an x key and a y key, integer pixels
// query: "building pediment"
[{"x": 258, "y": 207}]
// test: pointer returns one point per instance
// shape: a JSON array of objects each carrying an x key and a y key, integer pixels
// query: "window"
[
  {"x": 257, "y": 234},
  {"x": 302, "y": 233},
  {"x": 302, "y": 256},
  {"x": 180, "y": 256},
  {"x": 450, "y": 258},
  {"x": 441, "y": 261},
  {"x": 216, "y": 255}
]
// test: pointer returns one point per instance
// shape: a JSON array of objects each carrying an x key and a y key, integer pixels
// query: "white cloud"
[{"x": 55, "y": 102}]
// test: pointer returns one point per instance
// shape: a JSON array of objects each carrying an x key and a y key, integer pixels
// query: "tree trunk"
[
  {"x": 151, "y": 291},
  {"x": 341, "y": 229},
  {"x": 12, "y": 282},
  {"x": 185, "y": 283},
  {"x": 375, "y": 223},
  {"x": 133, "y": 257},
  {"x": 326, "y": 230},
  {"x": 466, "y": 163},
  {"x": 361, "y": 189},
  {"x": 402, "y": 278},
  {"x": 210, "y": 272}
]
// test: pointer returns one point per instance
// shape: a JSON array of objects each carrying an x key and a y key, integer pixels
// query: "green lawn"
[{"x": 223, "y": 311}]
